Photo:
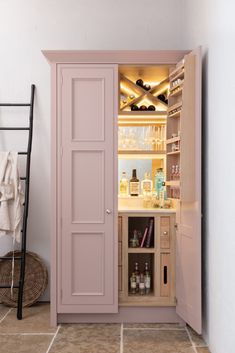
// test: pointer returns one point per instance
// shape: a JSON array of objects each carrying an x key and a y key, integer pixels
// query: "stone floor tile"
[
  {"x": 87, "y": 338},
  {"x": 196, "y": 338},
  {"x": 202, "y": 350},
  {"x": 24, "y": 343},
  {"x": 3, "y": 310},
  {"x": 36, "y": 319},
  {"x": 154, "y": 325},
  {"x": 156, "y": 341}
]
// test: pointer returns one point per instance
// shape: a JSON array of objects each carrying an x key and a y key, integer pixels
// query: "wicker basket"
[{"x": 36, "y": 279}]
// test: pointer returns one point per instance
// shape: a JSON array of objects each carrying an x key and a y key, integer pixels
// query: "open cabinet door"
[{"x": 188, "y": 233}]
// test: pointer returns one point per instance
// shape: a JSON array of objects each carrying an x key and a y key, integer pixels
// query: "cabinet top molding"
[{"x": 114, "y": 56}]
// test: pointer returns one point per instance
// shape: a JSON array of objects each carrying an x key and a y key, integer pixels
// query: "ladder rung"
[
  {"x": 23, "y": 153},
  {"x": 10, "y": 258},
  {"x": 15, "y": 104},
  {"x": 14, "y": 128},
  {"x": 8, "y": 286},
  {"x": 22, "y": 178}
]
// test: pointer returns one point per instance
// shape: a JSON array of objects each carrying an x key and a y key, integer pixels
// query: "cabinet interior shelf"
[
  {"x": 141, "y": 250},
  {"x": 172, "y": 153},
  {"x": 177, "y": 72},
  {"x": 173, "y": 139},
  {"x": 175, "y": 115},
  {"x": 141, "y": 152},
  {"x": 179, "y": 75},
  {"x": 173, "y": 183},
  {"x": 177, "y": 93}
]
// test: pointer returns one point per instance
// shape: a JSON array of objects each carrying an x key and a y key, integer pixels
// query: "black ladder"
[{"x": 26, "y": 178}]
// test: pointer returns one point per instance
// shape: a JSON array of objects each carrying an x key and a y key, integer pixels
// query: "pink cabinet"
[{"x": 84, "y": 261}]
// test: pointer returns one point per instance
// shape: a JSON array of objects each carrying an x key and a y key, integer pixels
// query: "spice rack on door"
[{"x": 26, "y": 179}]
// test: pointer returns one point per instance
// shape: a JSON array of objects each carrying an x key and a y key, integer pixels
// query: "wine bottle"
[
  {"x": 147, "y": 87},
  {"x": 140, "y": 82},
  {"x": 134, "y": 107},
  {"x": 134, "y": 184},
  {"x": 143, "y": 107},
  {"x": 151, "y": 107},
  {"x": 137, "y": 276}
]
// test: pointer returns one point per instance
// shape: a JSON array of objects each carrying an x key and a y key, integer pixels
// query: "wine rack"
[{"x": 153, "y": 95}]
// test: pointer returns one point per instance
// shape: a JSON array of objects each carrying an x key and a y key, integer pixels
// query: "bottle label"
[
  {"x": 147, "y": 186},
  {"x": 147, "y": 282},
  {"x": 134, "y": 187},
  {"x": 142, "y": 285},
  {"x": 133, "y": 285}
]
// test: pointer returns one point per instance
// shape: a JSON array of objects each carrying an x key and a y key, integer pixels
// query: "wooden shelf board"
[
  {"x": 146, "y": 113},
  {"x": 180, "y": 74},
  {"x": 173, "y": 183},
  {"x": 141, "y": 152},
  {"x": 174, "y": 106},
  {"x": 173, "y": 153},
  {"x": 177, "y": 93},
  {"x": 175, "y": 115},
  {"x": 146, "y": 300},
  {"x": 141, "y": 250},
  {"x": 173, "y": 139},
  {"x": 177, "y": 70}
]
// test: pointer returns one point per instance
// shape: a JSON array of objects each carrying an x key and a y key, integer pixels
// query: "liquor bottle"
[
  {"x": 146, "y": 185},
  {"x": 142, "y": 285},
  {"x": 147, "y": 278},
  {"x": 137, "y": 276},
  {"x": 143, "y": 108},
  {"x": 134, "y": 184},
  {"x": 123, "y": 189},
  {"x": 133, "y": 283}
]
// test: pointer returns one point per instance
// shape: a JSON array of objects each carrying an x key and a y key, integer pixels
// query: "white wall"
[
  {"x": 27, "y": 27},
  {"x": 211, "y": 24}
]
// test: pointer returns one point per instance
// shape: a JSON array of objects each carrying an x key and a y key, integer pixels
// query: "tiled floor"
[{"x": 34, "y": 335}]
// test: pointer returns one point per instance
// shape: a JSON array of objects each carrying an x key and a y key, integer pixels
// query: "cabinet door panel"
[
  {"x": 88, "y": 281},
  {"x": 188, "y": 235}
]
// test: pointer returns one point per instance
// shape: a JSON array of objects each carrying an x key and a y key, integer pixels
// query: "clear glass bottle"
[
  {"x": 134, "y": 242},
  {"x": 146, "y": 185},
  {"x": 123, "y": 188},
  {"x": 134, "y": 184},
  {"x": 133, "y": 283},
  {"x": 142, "y": 285},
  {"x": 137, "y": 276},
  {"x": 147, "y": 278}
]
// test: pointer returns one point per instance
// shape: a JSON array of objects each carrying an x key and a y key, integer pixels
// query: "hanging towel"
[{"x": 11, "y": 196}]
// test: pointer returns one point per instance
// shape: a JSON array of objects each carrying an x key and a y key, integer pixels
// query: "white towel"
[{"x": 11, "y": 196}]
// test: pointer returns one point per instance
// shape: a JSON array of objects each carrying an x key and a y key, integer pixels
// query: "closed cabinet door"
[{"x": 87, "y": 252}]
